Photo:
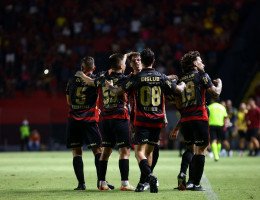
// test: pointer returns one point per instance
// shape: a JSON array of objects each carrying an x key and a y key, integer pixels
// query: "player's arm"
[
  {"x": 89, "y": 81},
  {"x": 174, "y": 132},
  {"x": 116, "y": 90},
  {"x": 68, "y": 100},
  {"x": 216, "y": 89},
  {"x": 173, "y": 77}
]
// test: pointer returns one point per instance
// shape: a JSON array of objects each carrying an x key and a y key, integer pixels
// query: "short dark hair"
[
  {"x": 147, "y": 57},
  {"x": 188, "y": 59},
  {"x": 115, "y": 59},
  {"x": 88, "y": 62}
]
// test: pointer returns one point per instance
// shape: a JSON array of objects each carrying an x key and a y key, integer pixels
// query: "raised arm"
[
  {"x": 216, "y": 89},
  {"x": 86, "y": 79},
  {"x": 112, "y": 88}
]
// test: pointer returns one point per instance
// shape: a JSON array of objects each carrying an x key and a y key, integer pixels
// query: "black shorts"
[
  {"x": 242, "y": 134},
  {"x": 252, "y": 133},
  {"x": 145, "y": 135},
  {"x": 195, "y": 132},
  {"x": 115, "y": 132},
  {"x": 82, "y": 132},
  {"x": 216, "y": 133}
]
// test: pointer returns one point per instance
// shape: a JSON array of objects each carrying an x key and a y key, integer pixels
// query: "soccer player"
[
  {"x": 135, "y": 63},
  {"x": 217, "y": 120},
  {"x": 148, "y": 88},
  {"x": 82, "y": 125},
  {"x": 194, "y": 116},
  {"x": 115, "y": 120},
  {"x": 188, "y": 154}
]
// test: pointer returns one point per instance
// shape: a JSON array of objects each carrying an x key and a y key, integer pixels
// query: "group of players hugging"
[{"x": 111, "y": 109}]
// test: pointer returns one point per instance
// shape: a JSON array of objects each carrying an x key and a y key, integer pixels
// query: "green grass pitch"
[{"x": 49, "y": 175}]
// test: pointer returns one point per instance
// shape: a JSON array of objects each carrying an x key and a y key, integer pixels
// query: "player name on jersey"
[
  {"x": 150, "y": 79},
  {"x": 190, "y": 76},
  {"x": 154, "y": 109}
]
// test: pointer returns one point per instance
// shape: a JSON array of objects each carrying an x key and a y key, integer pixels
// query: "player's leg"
[
  {"x": 124, "y": 154},
  {"x": 103, "y": 162},
  {"x": 185, "y": 163},
  {"x": 155, "y": 156},
  {"x": 214, "y": 142},
  {"x": 78, "y": 168},
  {"x": 186, "y": 131},
  {"x": 75, "y": 141},
  {"x": 143, "y": 165},
  {"x": 198, "y": 160},
  {"x": 108, "y": 143},
  {"x": 122, "y": 134}
]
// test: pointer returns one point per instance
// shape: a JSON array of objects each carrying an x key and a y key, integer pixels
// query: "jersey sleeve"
[
  {"x": 99, "y": 81},
  {"x": 129, "y": 83},
  {"x": 168, "y": 86},
  {"x": 67, "y": 88},
  {"x": 206, "y": 80}
]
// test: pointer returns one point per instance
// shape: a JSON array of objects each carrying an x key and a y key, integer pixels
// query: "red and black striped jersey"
[
  {"x": 193, "y": 101},
  {"x": 148, "y": 88},
  {"x": 83, "y": 100},
  {"x": 112, "y": 106}
]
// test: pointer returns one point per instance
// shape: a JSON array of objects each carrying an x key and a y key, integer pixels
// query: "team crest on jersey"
[
  {"x": 128, "y": 84},
  {"x": 205, "y": 80},
  {"x": 169, "y": 83}
]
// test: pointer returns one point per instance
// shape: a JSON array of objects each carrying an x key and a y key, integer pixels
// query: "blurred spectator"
[
  {"x": 232, "y": 116},
  {"x": 24, "y": 135},
  {"x": 34, "y": 141},
  {"x": 57, "y": 33},
  {"x": 253, "y": 124},
  {"x": 241, "y": 127}
]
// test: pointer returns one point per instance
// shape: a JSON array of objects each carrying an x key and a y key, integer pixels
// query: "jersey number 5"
[{"x": 80, "y": 96}]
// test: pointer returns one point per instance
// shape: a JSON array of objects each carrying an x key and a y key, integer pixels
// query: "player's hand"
[
  {"x": 174, "y": 133},
  {"x": 108, "y": 83},
  {"x": 180, "y": 87},
  {"x": 173, "y": 77},
  {"x": 217, "y": 81}
]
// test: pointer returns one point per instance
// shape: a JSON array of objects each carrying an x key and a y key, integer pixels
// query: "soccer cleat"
[
  {"x": 153, "y": 184},
  {"x": 146, "y": 186},
  {"x": 81, "y": 187},
  {"x": 127, "y": 187},
  {"x": 189, "y": 185},
  {"x": 181, "y": 181},
  {"x": 103, "y": 186},
  {"x": 108, "y": 184},
  {"x": 198, "y": 188},
  {"x": 139, "y": 187}
]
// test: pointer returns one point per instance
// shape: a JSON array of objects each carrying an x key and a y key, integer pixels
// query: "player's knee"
[
  {"x": 77, "y": 151},
  {"x": 124, "y": 153},
  {"x": 106, "y": 153},
  {"x": 96, "y": 150}
]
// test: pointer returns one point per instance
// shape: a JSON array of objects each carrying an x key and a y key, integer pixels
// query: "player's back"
[
  {"x": 83, "y": 99},
  {"x": 112, "y": 105},
  {"x": 193, "y": 101},
  {"x": 150, "y": 87}
]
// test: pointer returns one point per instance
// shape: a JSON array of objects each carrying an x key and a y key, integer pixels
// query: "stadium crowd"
[{"x": 37, "y": 35}]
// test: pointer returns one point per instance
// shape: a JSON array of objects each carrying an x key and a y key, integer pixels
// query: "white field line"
[{"x": 209, "y": 193}]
